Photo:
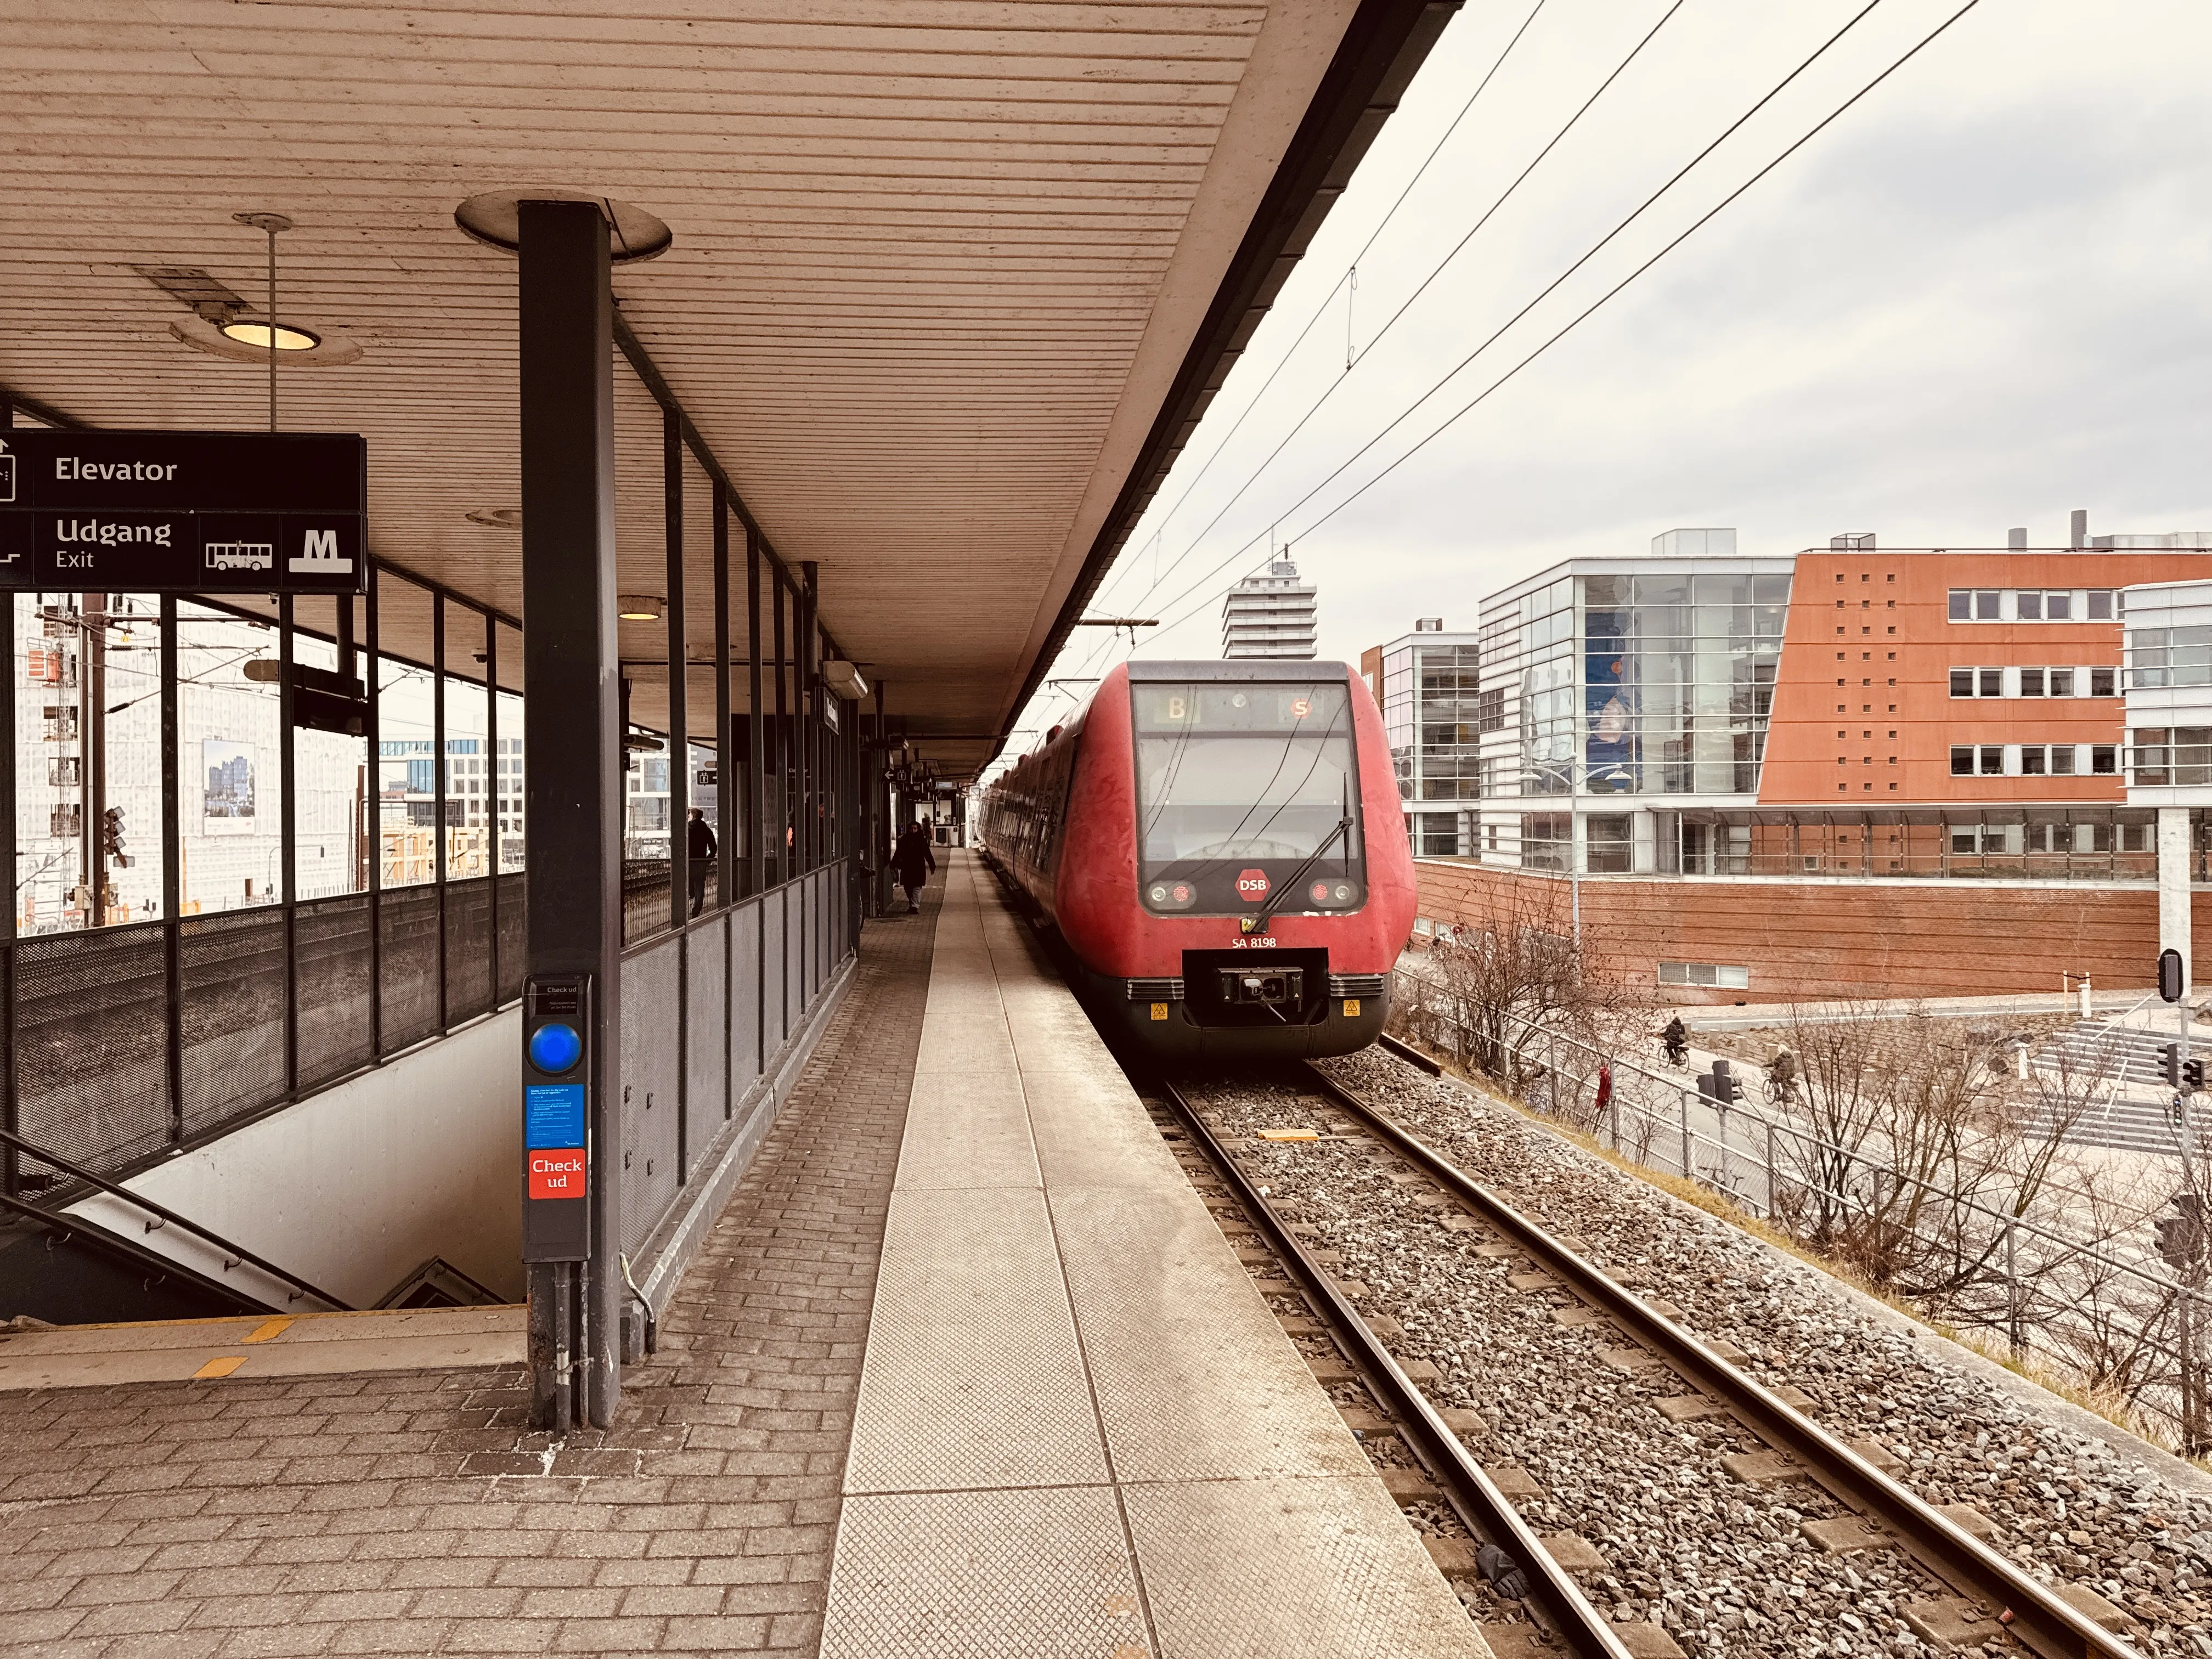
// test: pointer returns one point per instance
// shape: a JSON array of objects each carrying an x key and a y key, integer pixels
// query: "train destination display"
[{"x": 184, "y": 512}]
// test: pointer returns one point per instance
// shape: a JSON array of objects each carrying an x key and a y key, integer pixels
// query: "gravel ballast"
[{"x": 1719, "y": 1562}]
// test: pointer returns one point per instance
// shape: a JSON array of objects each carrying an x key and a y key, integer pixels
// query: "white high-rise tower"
[{"x": 1274, "y": 615}]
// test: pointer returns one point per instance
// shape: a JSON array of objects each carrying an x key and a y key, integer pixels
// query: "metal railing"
[
  {"x": 2011, "y": 1272},
  {"x": 707, "y": 1010}
]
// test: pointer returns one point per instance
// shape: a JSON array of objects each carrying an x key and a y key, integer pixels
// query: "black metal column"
[
  {"x": 490, "y": 785},
  {"x": 725, "y": 776},
  {"x": 438, "y": 788},
  {"x": 780, "y": 745},
  {"x": 372, "y": 829},
  {"x": 810, "y": 703},
  {"x": 573, "y": 736},
  {"x": 287, "y": 797},
  {"x": 755, "y": 754},
  {"x": 172, "y": 873},
  {"x": 679, "y": 735}
]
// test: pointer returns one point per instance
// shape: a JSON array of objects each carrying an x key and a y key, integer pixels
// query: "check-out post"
[{"x": 556, "y": 1069}]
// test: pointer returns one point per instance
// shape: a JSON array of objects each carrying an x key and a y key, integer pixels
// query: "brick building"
[{"x": 1851, "y": 771}]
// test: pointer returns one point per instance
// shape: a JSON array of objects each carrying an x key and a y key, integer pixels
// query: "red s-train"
[{"x": 1221, "y": 848}]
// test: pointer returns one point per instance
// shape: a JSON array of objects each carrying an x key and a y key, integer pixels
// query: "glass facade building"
[
  {"x": 1648, "y": 683},
  {"x": 1428, "y": 688}
]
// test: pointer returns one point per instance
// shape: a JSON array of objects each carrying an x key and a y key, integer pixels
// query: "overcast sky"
[{"x": 1981, "y": 298}]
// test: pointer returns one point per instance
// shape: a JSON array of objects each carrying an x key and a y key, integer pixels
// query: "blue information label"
[{"x": 553, "y": 1114}]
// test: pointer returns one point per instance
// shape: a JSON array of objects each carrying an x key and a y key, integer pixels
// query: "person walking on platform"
[
  {"x": 700, "y": 847},
  {"x": 914, "y": 858}
]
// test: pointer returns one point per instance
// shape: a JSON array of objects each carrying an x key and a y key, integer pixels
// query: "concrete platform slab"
[
  {"x": 1080, "y": 1429},
  {"x": 306, "y": 1345}
]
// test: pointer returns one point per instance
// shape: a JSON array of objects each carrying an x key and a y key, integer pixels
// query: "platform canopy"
[{"x": 950, "y": 280}]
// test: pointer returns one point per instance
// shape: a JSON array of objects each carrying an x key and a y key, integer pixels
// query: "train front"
[{"x": 1235, "y": 879}]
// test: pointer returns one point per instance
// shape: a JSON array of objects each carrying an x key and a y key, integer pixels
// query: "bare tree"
[{"x": 1522, "y": 970}]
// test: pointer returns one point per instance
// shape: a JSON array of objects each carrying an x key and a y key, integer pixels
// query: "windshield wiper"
[{"x": 1299, "y": 875}]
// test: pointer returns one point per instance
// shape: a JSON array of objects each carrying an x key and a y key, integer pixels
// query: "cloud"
[{"x": 1982, "y": 298}]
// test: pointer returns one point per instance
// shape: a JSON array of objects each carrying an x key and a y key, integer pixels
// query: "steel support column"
[
  {"x": 726, "y": 777},
  {"x": 785, "y": 833},
  {"x": 572, "y": 733},
  {"x": 287, "y": 818},
  {"x": 755, "y": 754},
  {"x": 680, "y": 734}
]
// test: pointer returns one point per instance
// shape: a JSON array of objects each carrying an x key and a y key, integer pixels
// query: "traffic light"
[
  {"x": 2192, "y": 1074},
  {"x": 2169, "y": 1064},
  {"x": 110, "y": 836},
  {"x": 2181, "y": 1237}
]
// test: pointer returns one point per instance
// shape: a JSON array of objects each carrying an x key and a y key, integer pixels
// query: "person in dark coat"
[
  {"x": 913, "y": 858},
  {"x": 699, "y": 846}
]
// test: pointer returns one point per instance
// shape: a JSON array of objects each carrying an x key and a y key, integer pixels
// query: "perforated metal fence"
[{"x": 695, "y": 1006}]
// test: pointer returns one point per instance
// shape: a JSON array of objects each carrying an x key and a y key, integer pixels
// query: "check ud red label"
[{"x": 557, "y": 1173}]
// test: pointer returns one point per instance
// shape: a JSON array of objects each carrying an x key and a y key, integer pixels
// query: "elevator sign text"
[{"x": 184, "y": 512}]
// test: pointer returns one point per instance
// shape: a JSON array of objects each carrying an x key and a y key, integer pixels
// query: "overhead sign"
[{"x": 184, "y": 512}]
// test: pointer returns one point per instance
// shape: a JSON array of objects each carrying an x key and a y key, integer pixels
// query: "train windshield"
[{"x": 1242, "y": 787}]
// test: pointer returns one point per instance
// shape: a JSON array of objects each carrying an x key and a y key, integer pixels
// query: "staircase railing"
[{"x": 234, "y": 1254}]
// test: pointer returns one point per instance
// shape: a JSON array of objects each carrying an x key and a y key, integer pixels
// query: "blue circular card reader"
[{"x": 555, "y": 1048}]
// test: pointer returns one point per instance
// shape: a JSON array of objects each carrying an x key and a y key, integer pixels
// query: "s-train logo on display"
[{"x": 1251, "y": 883}]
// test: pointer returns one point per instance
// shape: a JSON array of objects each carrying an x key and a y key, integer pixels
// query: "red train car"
[{"x": 1221, "y": 848}]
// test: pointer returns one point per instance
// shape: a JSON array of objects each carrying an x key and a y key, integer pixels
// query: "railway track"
[{"x": 1991, "y": 1601}]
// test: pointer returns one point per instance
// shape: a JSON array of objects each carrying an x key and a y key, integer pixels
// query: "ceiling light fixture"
[
  {"x": 638, "y": 607},
  {"x": 256, "y": 335}
]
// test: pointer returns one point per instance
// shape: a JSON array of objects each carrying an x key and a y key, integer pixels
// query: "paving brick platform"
[{"x": 409, "y": 1512}]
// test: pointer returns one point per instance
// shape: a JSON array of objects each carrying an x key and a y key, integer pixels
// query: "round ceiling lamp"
[
  {"x": 495, "y": 216},
  {"x": 257, "y": 336},
  {"x": 639, "y": 607}
]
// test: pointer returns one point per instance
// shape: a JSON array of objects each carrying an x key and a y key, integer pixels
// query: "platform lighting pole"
[{"x": 573, "y": 789}]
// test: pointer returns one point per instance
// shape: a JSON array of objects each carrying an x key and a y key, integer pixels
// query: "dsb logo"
[{"x": 1252, "y": 884}]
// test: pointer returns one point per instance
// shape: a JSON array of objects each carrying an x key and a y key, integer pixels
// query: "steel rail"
[
  {"x": 241, "y": 1254},
  {"x": 2035, "y": 1614},
  {"x": 1481, "y": 1504}
]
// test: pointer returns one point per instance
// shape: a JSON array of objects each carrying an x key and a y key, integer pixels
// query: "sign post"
[{"x": 184, "y": 512}]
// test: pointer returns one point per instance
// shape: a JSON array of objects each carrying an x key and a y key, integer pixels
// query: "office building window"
[
  {"x": 2180, "y": 755},
  {"x": 1962, "y": 760},
  {"x": 1715, "y": 974},
  {"x": 1547, "y": 840},
  {"x": 2104, "y": 758},
  {"x": 2061, "y": 682},
  {"x": 1992, "y": 682},
  {"x": 2099, "y": 607},
  {"x": 2169, "y": 656},
  {"x": 2030, "y": 682},
  {"x": 1610, "y": 846},
  {"x": 2104, "y": 682},
  {"x": 1962, "y": 682},
  {"x": 1992, "y": 758}
]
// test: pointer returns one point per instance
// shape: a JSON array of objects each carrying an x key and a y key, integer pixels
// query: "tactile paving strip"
[
  {"x": 941, "y": 1409},
  {"x": 1195, "y": 1380},
  {"x": 1291, "y": 1569},
  {"x": 984, "y": 1575},
  {"x": 968, "y": 1132}
]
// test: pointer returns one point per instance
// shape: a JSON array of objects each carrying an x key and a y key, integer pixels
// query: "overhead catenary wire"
[
  {"x": 1350, "y": 273},
  {"x": 1591, "y": 253},
  {"x": 1573, "y": 323},
  {"x": 1488, "y": 213}
]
